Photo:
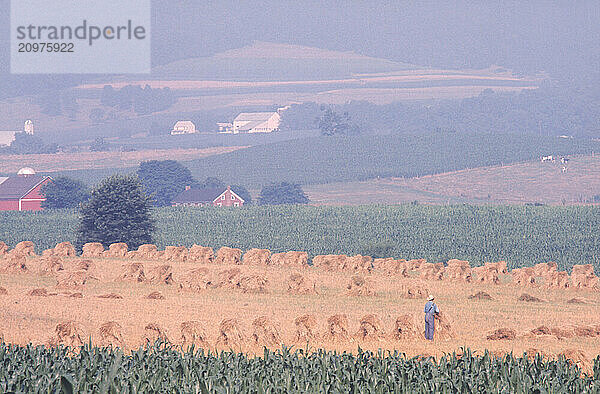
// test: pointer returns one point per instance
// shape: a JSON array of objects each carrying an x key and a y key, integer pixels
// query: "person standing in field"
[{"x": 431, "y": 311}]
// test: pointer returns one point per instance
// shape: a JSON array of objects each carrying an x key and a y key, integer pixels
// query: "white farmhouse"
[
  {"x": 184, "y": 127},
  {"x": 256, "y": 122}
]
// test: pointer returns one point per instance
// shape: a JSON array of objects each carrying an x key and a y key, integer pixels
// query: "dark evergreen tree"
[
  {"x": 118, "y": 211},
  {"x": 64, "y": 192}
]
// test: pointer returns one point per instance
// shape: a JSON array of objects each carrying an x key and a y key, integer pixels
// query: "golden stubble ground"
[{"x": 29, "y": 319}]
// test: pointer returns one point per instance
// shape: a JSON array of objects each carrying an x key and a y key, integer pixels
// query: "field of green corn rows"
[
  {"x": 319, "y": 160},
  {"x": 521, "y": 235},
  {"x": 160, "y": 368}
]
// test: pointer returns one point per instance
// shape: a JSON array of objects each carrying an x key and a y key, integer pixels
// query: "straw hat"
[{"x": 430, "y": 298}]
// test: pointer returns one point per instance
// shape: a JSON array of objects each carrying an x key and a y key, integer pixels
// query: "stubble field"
[{"x": 227, "y": 303}]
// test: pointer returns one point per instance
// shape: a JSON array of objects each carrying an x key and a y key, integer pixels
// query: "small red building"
[
  {"x": 224, "y": 197},
  {"x": 22, "y": 192}
]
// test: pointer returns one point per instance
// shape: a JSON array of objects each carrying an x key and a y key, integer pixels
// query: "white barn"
[
  {"x": 256, "y": 122},
  {"x": 184, "y": 127}
]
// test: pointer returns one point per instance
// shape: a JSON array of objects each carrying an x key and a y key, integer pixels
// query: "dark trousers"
[{"x": 429, "y": 326}]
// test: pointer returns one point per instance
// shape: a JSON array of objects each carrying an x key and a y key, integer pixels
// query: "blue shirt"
[{"x": 430, "y": 307}]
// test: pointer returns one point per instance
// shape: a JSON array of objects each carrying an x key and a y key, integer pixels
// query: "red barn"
[
  {"x": 22, "y": 192},
  {"x": 224, "y": 197}
]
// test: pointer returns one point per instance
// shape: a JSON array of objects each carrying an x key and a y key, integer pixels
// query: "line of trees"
[
  {"x": 119, "y": 208},
  {"x": 141, "y": 100}
]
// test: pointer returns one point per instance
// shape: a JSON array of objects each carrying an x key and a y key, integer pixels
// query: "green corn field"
[
  {"x": 160, "y": 368},
  {"x": 521, "y": 235}
]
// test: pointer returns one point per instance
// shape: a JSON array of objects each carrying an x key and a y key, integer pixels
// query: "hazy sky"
[{"x": 561, "y": 37}]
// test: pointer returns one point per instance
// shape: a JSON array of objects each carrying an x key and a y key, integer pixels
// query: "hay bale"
[
  {"x": 582, "y": 276},
  {"x": 76, "y": 265},
  {"x": 370, "y": 328},
  {"x": 69, "y": 334},
  {"x": 523, "y": 276},
  {"x": 458, "y": 270},
  {"x": 359, "y": 286},
  {"x": 507, "y": 334},
  {"x": 480, "y": 295},
  {"x": 443, "y": 327},
  {"x": 290, "y": 259},
  {"x": 145, "y": 252},
  {"x": 586, "y": 331},
  {"x": 485, "y": 275},
  {"x": 153, "y": 333},
  {"x": 116, "y": 250},
  {"x": 255, "y": 284},
  {"x": 541, "y": 330},
  {"x": 113, "y": 296},
  {"x": 14, "y": 264},
  {"x": 39, "y": 292},
  {"x": 3, "y": 291},
  {"x": 404, "y": 328},
  {"x": 414, "y": 290},
  {"x": 49, "y": 265},
  {"x": 230, "y": 333},
  {"x": 196, "y": 279},
  {"x": 72, "y": 279},
  {"x": 265, "y": 332},
  {"x": 544, "y": 269},
  {"x": 3, "y": 248},
  {"x": 200, "y": 254},
  {"x": 576, "y": 356},
  {"x": 562, "y": 332},
  {"x": 529, "y": 298},
  {"x": 228, "y": 279},
  {"x": 133, "y": 272},
  {"x": 337, "y": 327},
  {"x": 329, "y": 262},
  {"x": 175, "y": 253},
  {"x": 389, "y": 266},
  {"x": 162, "y": 274},
  {"x": 64, "y": 249},
  {"x": 500, "y": 267},
  {"x": 24, "y": 248},
  {"x": 430, "y": 271},
  {"x": 260, "y": 257},
  {"x": 415, "y": 264},
  {"x": 111, "y": 333},
  {"x": 299, "y": 285},
  {"x": 155, "y": 295},
  {"x": 92, "y": 249},
  {"x": 358, "y": 264},
  {"x": 305, "y": 328},
  {"x": 558, "y": 280},
  {"x": 192, "y": 333},
  {"x": 577, "y": 300},
  {"x": 230, "y": 256}
]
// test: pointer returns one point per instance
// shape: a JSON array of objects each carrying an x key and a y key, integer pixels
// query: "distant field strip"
[
  {"x": 521, "y": 235},
  {"x": 550, "y": 183},
  {"x": 96, "y": 160}
]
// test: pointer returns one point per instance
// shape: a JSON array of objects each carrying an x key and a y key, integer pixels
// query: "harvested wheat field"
[{"x": 128, "y": 301}]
